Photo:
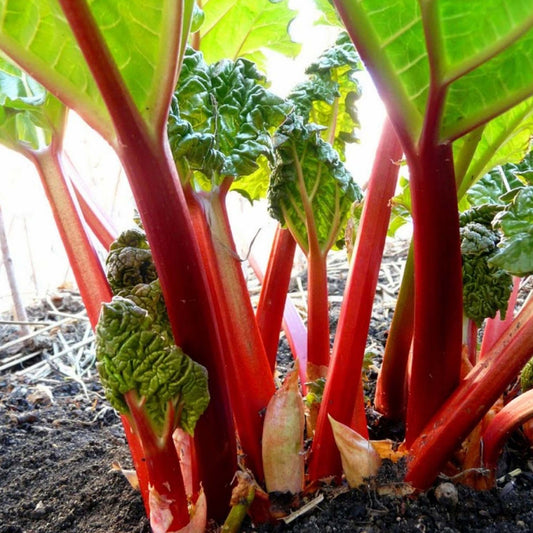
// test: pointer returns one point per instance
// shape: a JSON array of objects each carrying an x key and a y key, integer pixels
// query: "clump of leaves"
[{"x": 220, "y": 123}]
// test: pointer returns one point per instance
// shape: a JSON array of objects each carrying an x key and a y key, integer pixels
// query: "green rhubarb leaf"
[
  {"x": 480, "y": 54},
  {"x": 328, "y": 15},
  {"x": 516, "y": 223},
  {"x": 311, "y": 192},
  {"x": 221, "y": 121},
  {"x": 494, "y": 186},
  {"x": 505, "y": 139},
  {"x": 134, "y": 356},
  {"x": 139, "y": 34},
  {"x": 246, "y": 28},
  {"x": 255, "y": 185},
  {"x": 29, "y": 115},
  {"x": 329, "y": 94},
  {"x": 521, "y": 172}
]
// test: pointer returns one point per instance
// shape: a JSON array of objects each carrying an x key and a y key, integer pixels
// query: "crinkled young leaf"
[
  {"x": 308, "y": 172},
  {"x": 221, "y": 119},
  {"x": 246, "y": 28},
  {"x": 149, "y": 297},
  {"x": 134, "y": 356},
  {"x": 130, "y": 261},
  {"x": 516, "y": 223},
  {"x": 486, "y": 287},
  {"x": 329, "y": 94},
  {"x": 477, "y": 239}
]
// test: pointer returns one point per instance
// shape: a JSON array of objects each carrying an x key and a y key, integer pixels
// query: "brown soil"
[
  {"x": 59, "y": 440},
  {"x": 57, "y": 447}
]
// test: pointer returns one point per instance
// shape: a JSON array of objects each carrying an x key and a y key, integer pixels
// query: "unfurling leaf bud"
[
  {"x": 283, "y": 458},
  {"x": 360, "y": 461}
]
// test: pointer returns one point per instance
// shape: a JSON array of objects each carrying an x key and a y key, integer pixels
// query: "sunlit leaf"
[
  {"x": 29, "y": 115},
  {"x": 246, "y": 28},
  {"x": 505, "y": 139},
  {"x": 35, "y": 34},
  {"x": 480, "y": 54},
  {"x": 310, "y": 178}
]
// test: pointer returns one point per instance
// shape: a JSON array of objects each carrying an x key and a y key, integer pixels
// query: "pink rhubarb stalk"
[
  {"x": 100, "y": 224},
  {"x": 292, "y": 322},
  {"x": 494, "y": 327}
]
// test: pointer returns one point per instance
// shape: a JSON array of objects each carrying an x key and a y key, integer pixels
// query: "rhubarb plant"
[
  {"x": 146, "y": 377},
  {"x": 458, "y": 91},
  {"x": 431, "y": 80},
  {"x": 219, "y": 132},
  {"x": 311, "y": 192}
]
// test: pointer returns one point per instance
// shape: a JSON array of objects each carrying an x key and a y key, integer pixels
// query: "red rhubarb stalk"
[
  {"x": 470, "y": 330},
  {"x": 391, "y": 391},
  {"x": 437, "y": 339},
  {"x": 511, "y": 417},
  {"x": 167, "y": 498},
  {"x": 271, "y": 305},
  {"x": 318, "y": 341},
  {"x": 339, "y": 399},
  {"x": 248, "y": 373},
  {"x": 84, "y": 261},
  {"x": 473, "y": 398}
]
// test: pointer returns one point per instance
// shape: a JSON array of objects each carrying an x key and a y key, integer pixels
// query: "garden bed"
[{"x": 61, "y": 445}]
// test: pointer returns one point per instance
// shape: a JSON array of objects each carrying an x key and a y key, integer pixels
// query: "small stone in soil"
[{"x": 446, "y": 494}]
